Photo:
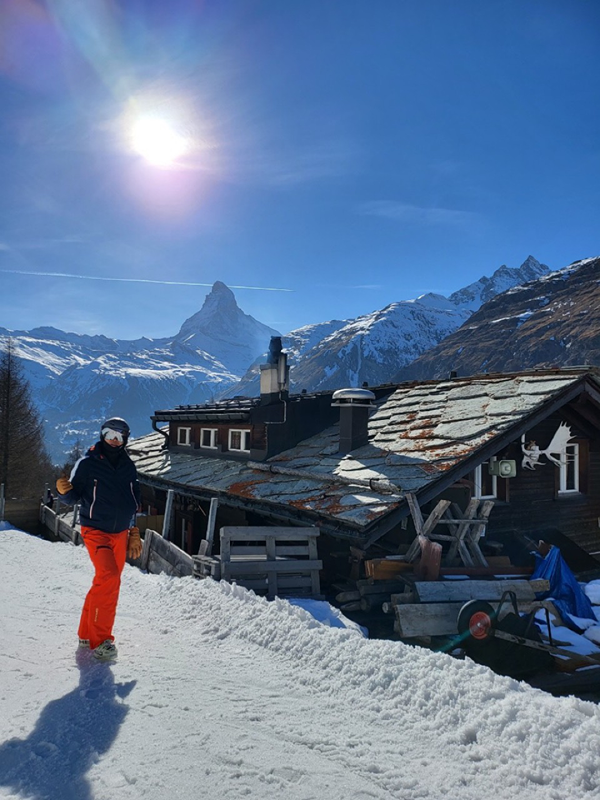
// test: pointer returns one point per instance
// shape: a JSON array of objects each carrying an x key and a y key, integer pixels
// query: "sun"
[{"x": 157, "y": 141}]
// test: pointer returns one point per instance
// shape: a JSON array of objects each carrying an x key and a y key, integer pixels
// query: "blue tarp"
[{"x": 565, "y": 591}]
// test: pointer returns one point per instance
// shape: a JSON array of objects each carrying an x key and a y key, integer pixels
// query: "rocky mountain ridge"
[
  {"x": 372, "y": 347},
  {"x": 77, "y": 380},
  {"x": 551, "y": 321}
]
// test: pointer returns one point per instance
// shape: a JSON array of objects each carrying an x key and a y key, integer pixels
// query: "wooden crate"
[{"x": 269, "y": 560}]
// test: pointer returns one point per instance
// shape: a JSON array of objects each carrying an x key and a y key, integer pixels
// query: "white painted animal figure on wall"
[{"x": 554, "y": 452}]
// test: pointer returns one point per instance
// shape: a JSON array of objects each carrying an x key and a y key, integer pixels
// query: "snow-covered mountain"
[
  {"x": 554, "y": 320},
  {"x": 504, "y": 278},
  {"x": 222, "y": 329},
  {"x": 295, "y": 344},
  {"x": 77, "y": 380},
  {"x": 373, "y": 347}
]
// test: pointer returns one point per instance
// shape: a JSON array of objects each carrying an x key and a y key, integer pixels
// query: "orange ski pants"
[{"x": 108, "y": 552}]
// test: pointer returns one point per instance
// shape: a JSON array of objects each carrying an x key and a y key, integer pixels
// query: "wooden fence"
[
  {"x": 158, "y": 555},
  {"x": 63, "y": 525},
  {"x": 272, "y": 561}
]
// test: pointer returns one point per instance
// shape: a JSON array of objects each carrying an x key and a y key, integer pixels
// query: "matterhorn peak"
[
  {"x": 220, "y": 302},
  {"x": 222, "y": 329},
  {"x": 219, "y": 289}
]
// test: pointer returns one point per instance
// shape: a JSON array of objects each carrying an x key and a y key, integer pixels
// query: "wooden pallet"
[{"x": 270, "y": 560}]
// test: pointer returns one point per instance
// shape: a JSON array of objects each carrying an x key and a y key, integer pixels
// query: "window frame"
[
  {"x": 245, "y": 439},
  {"x": 213, "y": 438},
  {"x": 478, "y": 481},
  {"x": 188, "y": 436},
  {"x": 563, "y": 474}
]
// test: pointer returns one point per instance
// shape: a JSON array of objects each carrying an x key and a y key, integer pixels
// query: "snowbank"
[{"x": 218, "y": 693}]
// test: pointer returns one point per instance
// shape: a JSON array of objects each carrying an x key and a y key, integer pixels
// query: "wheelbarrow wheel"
[{"x": 476, "y": 621}]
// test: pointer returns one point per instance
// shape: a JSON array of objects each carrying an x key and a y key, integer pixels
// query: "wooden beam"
[
  {"x": 415, "y": 511},
  {"x": 462, "y": 591},
  {"x": 435, "y": 516}
]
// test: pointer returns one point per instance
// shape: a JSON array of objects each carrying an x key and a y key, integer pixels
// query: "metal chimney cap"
[{"x": 355, "y": 397}]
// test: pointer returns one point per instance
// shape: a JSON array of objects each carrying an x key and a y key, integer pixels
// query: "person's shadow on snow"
[{"x": 70, "y": 735}]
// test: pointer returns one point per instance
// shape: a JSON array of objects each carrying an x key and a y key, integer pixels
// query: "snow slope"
[{"x": 220, "y": 694}]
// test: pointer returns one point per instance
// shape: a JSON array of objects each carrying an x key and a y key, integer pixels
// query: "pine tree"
[
  {"x": 24, "y": 462},
  {"x": 77, "y": 452}
]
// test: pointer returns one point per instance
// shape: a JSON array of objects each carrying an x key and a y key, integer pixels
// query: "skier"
[{"x": 105, "y": 483}]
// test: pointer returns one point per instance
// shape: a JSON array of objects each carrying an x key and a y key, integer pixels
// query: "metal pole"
[
  {"x": 167, "y": 519},
  {"x": 2, "y": 502}
]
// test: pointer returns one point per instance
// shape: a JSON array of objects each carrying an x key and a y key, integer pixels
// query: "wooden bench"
[{"x": 270, "y": 560}]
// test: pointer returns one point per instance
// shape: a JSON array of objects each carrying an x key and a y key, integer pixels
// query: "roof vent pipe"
[
  {"x": 355, "y": 406},
  {"x": 163, "y": 431}
]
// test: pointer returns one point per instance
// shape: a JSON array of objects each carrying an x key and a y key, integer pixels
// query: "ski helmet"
[{"x": 115, "y": 424}]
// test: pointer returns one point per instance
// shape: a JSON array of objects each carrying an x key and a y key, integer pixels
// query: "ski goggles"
[{"x": 110, "y": 433}]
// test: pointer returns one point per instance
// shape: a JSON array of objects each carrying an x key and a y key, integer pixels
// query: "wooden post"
[
  {"x": 2, "y": 501},
  {"x": 210, "y": 525},
  {"x": 167, "y": 519},
  {"x": 415, "y": 510},
  {"x": 146, "y": 548}
]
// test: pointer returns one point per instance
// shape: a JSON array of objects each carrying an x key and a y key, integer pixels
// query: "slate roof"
[{"x": 422, "y": 435}]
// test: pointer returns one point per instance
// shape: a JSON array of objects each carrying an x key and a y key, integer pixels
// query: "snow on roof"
[
  {"x": 218, "y": 693},
  {"x": 416, "y": 435}
]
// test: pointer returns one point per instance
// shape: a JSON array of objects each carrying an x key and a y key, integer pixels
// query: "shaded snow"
[{"x": 220, "y": 694}]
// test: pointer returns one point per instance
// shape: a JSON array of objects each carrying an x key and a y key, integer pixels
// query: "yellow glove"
[
  {"x": 64, "y": 485},
  {"x": 134, "y": 543}
]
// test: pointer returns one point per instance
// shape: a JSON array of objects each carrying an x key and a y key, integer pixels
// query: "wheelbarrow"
[{"x": 482, "y": 629}]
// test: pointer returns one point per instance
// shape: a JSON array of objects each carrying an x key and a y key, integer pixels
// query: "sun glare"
[{"x": 157, "y": 141}]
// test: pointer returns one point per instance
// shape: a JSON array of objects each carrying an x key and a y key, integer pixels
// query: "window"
[
  {"x": 184, "y": 436},
  {"x": 208, "y": 437},
  {"x": 486, "y": 485},
  {"x": 569, "y": 470},
  {"x": 239, "y": 440}
]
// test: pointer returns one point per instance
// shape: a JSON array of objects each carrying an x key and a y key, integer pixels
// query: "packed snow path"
[{"x": 220, "y": 694}]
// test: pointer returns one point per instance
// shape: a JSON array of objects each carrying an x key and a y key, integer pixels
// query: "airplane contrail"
[{"x": 137, "y": 280}]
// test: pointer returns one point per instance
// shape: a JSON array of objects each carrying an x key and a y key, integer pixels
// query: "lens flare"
[{"x": 159, "y": 143}]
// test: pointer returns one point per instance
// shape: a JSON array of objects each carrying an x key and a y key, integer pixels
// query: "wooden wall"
[{"x": 534, "y": 504}]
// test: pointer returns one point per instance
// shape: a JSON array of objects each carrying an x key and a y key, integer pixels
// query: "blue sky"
[{"x": 354, "y": 152}]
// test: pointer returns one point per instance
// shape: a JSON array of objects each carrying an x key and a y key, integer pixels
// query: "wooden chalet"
[{"x": 465, "y": 462}]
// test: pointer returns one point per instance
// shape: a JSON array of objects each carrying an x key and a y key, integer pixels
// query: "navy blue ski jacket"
[{"x": 109, "y": 495}]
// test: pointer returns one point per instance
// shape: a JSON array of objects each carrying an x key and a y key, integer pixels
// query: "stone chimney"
[
  {"x": 275, "y": 374},
  {"x": 355, "y": 406}
]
